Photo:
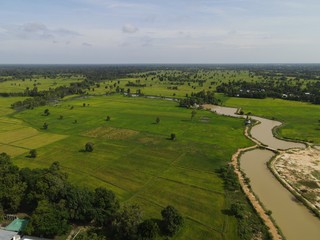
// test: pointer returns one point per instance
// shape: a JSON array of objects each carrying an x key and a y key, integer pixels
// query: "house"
[{"x": 9, "y": 235}]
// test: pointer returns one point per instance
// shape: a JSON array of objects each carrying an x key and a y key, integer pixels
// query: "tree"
[
  {"x": 46, "y": 112},
  {"x": 33, "y": 153},
  {"x": 127, "y": 221},
  {"x": 89, "y": 147},
  {"x": 157, "y": 120},
  {"x": 148, "y": 230},
  {"x": 173, "y": 136},
  {"x": 48, "y": 221},
  {"x": 106, "y": 205},
  {"x": 46, "y": 184},
  {"x": 80, "y": 204},
  {"x": 108, "y": 118},
  {"x": 193, "y": 114},
  {"x": 45, "y": 126},
  {"x": 61, "y": 117},
  {"x": 237, "y": 209},
  {"x": 11, "y": 185},
  {"x": 89, "y": 235},
  {"x": 172, "y": 220}
]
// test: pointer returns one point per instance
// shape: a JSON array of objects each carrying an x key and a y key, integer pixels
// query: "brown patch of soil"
[
  {"x": 110, "y": 133},
  {"x": 301, "y": 169},
  {"x": 149, "y": 140}
]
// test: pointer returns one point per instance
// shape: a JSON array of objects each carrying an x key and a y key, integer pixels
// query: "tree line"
[
  {"x": 199, "y": 98},
  {"x": 291, "y": 90}
]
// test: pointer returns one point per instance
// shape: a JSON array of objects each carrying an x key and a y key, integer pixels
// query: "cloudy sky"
[{"x": 159, "y": 31}]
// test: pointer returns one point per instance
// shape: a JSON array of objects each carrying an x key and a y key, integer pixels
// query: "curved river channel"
[{"x": 295, "y": 220}]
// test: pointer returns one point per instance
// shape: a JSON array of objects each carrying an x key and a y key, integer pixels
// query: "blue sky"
[{"x": 175, "y": 31}]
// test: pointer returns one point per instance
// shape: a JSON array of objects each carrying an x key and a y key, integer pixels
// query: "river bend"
[{"x": 295, "y": 220}]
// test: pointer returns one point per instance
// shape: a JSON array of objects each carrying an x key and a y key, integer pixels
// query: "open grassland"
[
  {"x": 301, "y": 120},
  {"x": 42, "y": 83},
  {"x": 5, "y": 104},
  {"x": 134, "y": 157},
  {"x": 164, "y": 83},
  {"x": 18, "y": 138}
]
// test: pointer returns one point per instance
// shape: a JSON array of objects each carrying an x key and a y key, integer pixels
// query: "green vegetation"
[
  {"x": 33, "y": 153},
  {"x": 11, "y": 85},
  {"x": 300, "y": 119},
  {"x": 132, "y": 157}
]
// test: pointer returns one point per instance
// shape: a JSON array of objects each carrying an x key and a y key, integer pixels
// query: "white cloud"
[
  {"x": 129, "y": 28},
  {"x": 85, "y": 44},
  {"x": 35, "y": 30}
]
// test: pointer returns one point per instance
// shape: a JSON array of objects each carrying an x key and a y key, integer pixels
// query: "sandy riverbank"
[{"x": 300, "y": 168}]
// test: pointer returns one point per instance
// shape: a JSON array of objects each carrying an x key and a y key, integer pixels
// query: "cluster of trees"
[
  {"x": 53, "y": 204},
  {"x": 41, "y": 98},
  {"x": 199, "y": 98},
  {"x": 133, "y": 84},
  {"x": 280, "y": 88}
]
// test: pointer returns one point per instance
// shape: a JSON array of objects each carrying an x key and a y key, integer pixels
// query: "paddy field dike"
[{"x": 133, "y": 155}]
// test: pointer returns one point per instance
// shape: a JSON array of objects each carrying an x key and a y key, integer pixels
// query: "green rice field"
[
  {"x": 301, "y": 120},
  {"x": 133, "y": 157}
]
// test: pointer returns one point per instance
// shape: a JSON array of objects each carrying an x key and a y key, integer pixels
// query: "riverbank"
[
  {"x": 268, "y": 221},
  {"x": 294, "y": 219},
  {"x": 299, "y": 171}
]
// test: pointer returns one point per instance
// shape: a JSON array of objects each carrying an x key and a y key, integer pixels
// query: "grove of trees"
[{"x": 53, "y": 204}]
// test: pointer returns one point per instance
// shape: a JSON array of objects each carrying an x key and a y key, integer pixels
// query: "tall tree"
[
  {"x": 48, "y": 220},
  {"x": 172, "y": 220},
  {"x": 11, "y": 186},
  {"x": 127, "y": 221},
  {"x": 80, "y": 204},
  {"x": 106, "y": 205}
]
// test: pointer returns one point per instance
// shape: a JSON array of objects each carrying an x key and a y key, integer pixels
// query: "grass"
[
  {"x": 42, "y": 83},
  {"x": 132, "y": 154},
  {"x": 16, "y": 137},
  {"x": 137, "y": 161},
  {"x": 156, "y": 86},
  {"x": 301, "y": 120}
]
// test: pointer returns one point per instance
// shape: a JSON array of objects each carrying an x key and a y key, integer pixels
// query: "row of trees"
[
  {"x": 53, "y": 204},
  {"x": 288, "y": 89},
  {"x": 199, "y": 98}
]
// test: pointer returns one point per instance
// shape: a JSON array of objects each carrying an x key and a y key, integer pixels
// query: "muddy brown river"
[{"x": 294, "y": 219}]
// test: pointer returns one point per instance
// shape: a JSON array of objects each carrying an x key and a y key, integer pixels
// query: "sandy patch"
[
  {"x": 301, "y": 169},
  {"x": 110, "y": 133}
]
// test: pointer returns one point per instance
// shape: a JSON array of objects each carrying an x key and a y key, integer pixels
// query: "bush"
[
  {"x": 33, "y": 153},
  {"x": 173, "y": 136},
  {"x": 89, "y": 147}
]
